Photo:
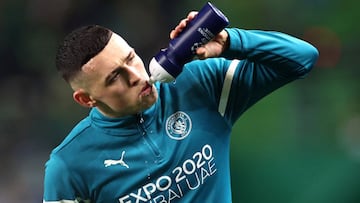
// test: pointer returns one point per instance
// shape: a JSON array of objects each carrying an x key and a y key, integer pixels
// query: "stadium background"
[{"x": 301, "y": 144}]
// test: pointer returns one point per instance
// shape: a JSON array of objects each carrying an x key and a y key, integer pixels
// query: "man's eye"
[{"x": 114, "y": 77}]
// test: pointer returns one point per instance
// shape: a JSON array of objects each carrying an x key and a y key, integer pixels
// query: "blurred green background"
[{"x": 301, "y": 144}]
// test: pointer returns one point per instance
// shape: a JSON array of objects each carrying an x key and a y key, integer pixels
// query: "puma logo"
[{"x": 111, "y": 162}]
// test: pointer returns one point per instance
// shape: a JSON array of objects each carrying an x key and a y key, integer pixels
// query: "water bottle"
[{"x": 168, "y": 63}]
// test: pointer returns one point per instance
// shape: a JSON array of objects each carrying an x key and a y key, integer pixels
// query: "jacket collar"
[{"x": 124, "y": 126}]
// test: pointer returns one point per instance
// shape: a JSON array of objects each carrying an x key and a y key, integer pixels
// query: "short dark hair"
[{"x": 79, "y": 47}]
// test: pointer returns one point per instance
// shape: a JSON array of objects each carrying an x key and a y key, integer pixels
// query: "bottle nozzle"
[{"x": 152, "y": 80}]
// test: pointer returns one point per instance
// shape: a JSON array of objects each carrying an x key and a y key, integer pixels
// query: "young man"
[{"x": 164, "y": 142}]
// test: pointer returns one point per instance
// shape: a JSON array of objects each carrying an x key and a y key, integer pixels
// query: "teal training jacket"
[{"x": 177, "y": 150}]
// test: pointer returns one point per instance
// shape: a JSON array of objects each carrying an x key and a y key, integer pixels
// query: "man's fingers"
[
  {"x": 172, "y": 34},
  {"x": 192, "y": 15},
  {"x": 201, "y": 53},
  {"x": 179, "y": 28},
  {"x": 182, "y": 24}
]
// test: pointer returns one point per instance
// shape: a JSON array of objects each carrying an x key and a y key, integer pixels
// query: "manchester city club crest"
[{"x": 178, "y": 125}]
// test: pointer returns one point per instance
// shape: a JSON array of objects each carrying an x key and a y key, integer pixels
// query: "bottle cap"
[{"x": 158, "y": 73}]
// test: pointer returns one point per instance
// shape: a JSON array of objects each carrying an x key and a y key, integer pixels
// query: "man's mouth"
[{"x": 146, "y": 90}]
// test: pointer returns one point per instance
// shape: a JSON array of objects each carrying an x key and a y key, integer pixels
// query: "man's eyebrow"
[{"x": 130, "y": 55}]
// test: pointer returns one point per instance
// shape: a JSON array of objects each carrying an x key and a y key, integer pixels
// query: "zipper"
[{"x": 146, "y": 137}]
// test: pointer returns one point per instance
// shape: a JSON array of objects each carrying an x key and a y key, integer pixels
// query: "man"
[{"x": 164, "y": 142}]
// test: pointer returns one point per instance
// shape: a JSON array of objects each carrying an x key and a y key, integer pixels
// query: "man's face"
[{"x": 117, "y": 80}]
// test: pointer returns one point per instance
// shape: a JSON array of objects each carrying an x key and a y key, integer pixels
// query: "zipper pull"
[
  {"x": 141, "y": 122},
  {"x": 141, "y": 119}
]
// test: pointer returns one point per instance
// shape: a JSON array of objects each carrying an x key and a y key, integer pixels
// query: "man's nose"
[{"x": 134, "y": 76}]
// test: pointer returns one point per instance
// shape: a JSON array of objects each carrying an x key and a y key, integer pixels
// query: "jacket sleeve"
[
  {"x": 267, "y": 61},
  {"x": 58, "y": 186}
]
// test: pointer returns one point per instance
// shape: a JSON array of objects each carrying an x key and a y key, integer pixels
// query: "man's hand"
[{"x": 211, "y": 49}]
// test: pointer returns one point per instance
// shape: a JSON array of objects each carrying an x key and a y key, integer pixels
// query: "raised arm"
[{"x": 284, "y": 53}]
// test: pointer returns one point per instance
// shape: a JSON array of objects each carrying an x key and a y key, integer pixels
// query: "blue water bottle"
[{"x": 166, "y": 65}]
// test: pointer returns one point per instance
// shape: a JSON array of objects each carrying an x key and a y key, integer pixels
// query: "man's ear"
[{"x": 83, "y": 98}]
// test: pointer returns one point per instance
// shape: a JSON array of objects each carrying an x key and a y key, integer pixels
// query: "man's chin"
[{"x": 148, "y": 102}]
